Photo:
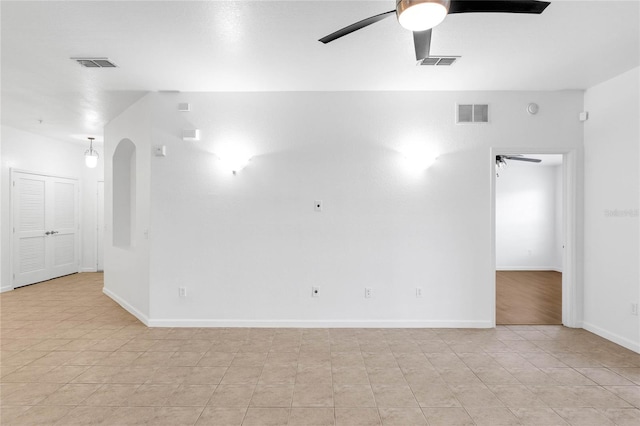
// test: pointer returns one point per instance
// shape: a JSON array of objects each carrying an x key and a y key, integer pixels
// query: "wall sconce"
[
  {"x": 91, "y": 155},
  {"x": 418, "y": 159}
]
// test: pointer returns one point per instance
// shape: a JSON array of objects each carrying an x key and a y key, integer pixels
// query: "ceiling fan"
[
  {"x": 501, "y": 161},
  {"x": 420, "y": 16}
]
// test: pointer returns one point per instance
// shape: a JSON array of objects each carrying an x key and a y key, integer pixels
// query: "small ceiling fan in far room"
[
  {"x": 501, "y": 161},
  {"x": 420, "y": 16}
]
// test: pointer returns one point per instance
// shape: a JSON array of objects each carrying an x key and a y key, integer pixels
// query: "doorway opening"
[{"x": 530, "y": 234}]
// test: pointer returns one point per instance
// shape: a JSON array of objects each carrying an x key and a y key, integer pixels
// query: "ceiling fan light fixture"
[{"x": 421, "y": 15}]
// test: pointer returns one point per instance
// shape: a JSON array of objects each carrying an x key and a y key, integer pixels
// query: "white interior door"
[
  {"x": 45, "y": 227},
  {"x": 100, "y": 233}
]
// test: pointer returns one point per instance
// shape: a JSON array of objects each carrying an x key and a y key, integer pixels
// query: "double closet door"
[{"x": 45, "y": 227}]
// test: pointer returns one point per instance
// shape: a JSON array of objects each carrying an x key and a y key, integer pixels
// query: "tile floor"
[{"x": 70, "y": 356}]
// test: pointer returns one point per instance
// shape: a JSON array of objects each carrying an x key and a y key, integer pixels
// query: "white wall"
[
  {"x": 249, "y": 247},
  {"x": 612, "y": 276},
  {"x": 126, "y": 269},
  {"x": 29, "y": 152},
  {"x": 527, "y": 210}
]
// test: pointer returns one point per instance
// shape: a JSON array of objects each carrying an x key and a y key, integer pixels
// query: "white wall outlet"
[
  {"x": 182, "y": 291},
  {"x": 418, "y": 291},
  {"x": 317, "y": 205},
  {"x": 634, "y": 309},
  {"x": 160, "y": 150},
  {"x": 315, "y": 291},
  {"x": 367, "y": 292}
]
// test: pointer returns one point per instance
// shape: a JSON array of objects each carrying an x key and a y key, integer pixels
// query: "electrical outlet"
[
  {"x": 315, "y": 291},
  {"x": 634, "y": 309},
  {"x": 367, "y": 292},
  {"x": 182, "y": 291},
  {"x": 418, "y": 291}
]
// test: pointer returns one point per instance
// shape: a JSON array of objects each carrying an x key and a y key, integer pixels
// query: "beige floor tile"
[
  {"x": 97, "y": 374},
  {"x": 71, "y": 394},
  {"x": 170, "y": 375},
  {"x": 605, "y": 376},
  {"x": 350, "y": 376},
  {"x": 111, "y": 395},
  {"x": 353, "y": 396},
  {"x": 249, "y": 359},
  {"x": 274, "y": 374},
  {"x": 148, "y": 395},
  {"x": 30, "y": 394},
  {"x": 434, "y": 395},
  {"x": 386, "y": 376},
  {"x": 313, "y": 374},
  {"x": 492, "y": 416},
  {"x": 310, "y": 395},
  {"x": 402, "y": 417},
  {"x": 357, "y": 417},
  {"x": 631, "y": 394},
  {"x": 622, "y": 416},
  {"x": 153, "y": 359},
  {"x": 88, "y": 416},
  {"x": 266, "y": 417},
  {"x": 63, "y": 374},
  {"x": 39, "y": 415},
  {"x": 241, "y": 376},
  {"x": 232, "y": 396},
  {"x": 216, "y": 359},
  {"x": 475, "y": 396},
  {"x": 630, "y": 373},
  {"x": 132, "y": 375},
  {"x": 447, "y": 416},
  {"x": 87, "y": 358},
  {"x": 539, "y": 416},
  {"x": 516, "y": 396},
  {"x": 495, "y": 375},
  {"x": 216, "y": 416},
  {"x": 9, "y": 413},
  {"x": 311, "y": 417},
  {"x": 394, "y": 396},
  {"x": 205, "y": 375},
  {"x": 28, "y": 373},
  {"x": 558, "y": 396},
  {"x": 272, "y": 396},
  {"x": 583, "y": 416},
  {"x": 598, "y": 397},
  {"x": 119, "y": 359}
]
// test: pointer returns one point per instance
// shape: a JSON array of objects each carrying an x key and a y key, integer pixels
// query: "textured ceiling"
[{"x": 272, "y": 46}]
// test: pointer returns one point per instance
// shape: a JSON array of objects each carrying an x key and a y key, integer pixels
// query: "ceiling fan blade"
[
  {"x": 498, "y": 6},
  {"x": 355, "y": 27},
  {"x": 422, "y": 43},
  {"x": 530, "y": 160}
]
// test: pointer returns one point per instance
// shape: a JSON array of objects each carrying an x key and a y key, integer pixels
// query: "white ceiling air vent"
[
  {"x": 470, "y": 113},
  {"x": 439, "y": 60},
  {"x": 95, "y": 62}
]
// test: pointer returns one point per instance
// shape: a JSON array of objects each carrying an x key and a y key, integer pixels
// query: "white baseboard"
[
  {"x": 89, "y": 270},
  {"x": 528, "y": 268},
  {"x": 318, "y": 323},
  {"x": 615, "y": 338},
  {"x": 6, "y": 288},
  {"x": 126, "y": 306}
]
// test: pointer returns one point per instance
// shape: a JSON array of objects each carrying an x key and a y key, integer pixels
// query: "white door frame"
[
  {"x": 570, "y": 290},
  {"x": 12, "y": 173}
]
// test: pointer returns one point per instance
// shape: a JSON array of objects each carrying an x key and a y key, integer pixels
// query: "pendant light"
[{"x": 91, "y": 155}]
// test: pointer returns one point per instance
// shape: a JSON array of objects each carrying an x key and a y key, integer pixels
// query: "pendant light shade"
[
  {"x": 91, "y": 155},
  {"x": 421, "y": 15}
]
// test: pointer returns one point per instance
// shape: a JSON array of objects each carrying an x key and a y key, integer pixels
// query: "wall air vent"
[
  {"x": 470, "y": 113},
  {"x": 439, "y": 60},
  {"x": 95, "y": 62}
]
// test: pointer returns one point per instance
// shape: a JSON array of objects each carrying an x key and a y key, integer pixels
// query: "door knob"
[
  {"x": 48, "y": 233},
  {"x": 54, "y": 232}
]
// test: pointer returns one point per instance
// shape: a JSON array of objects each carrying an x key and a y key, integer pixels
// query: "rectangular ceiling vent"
[
  {"x": 95, "y": 62},
  {"x": 439, "y": 60},
  {"x": 472, "y": 113}
]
